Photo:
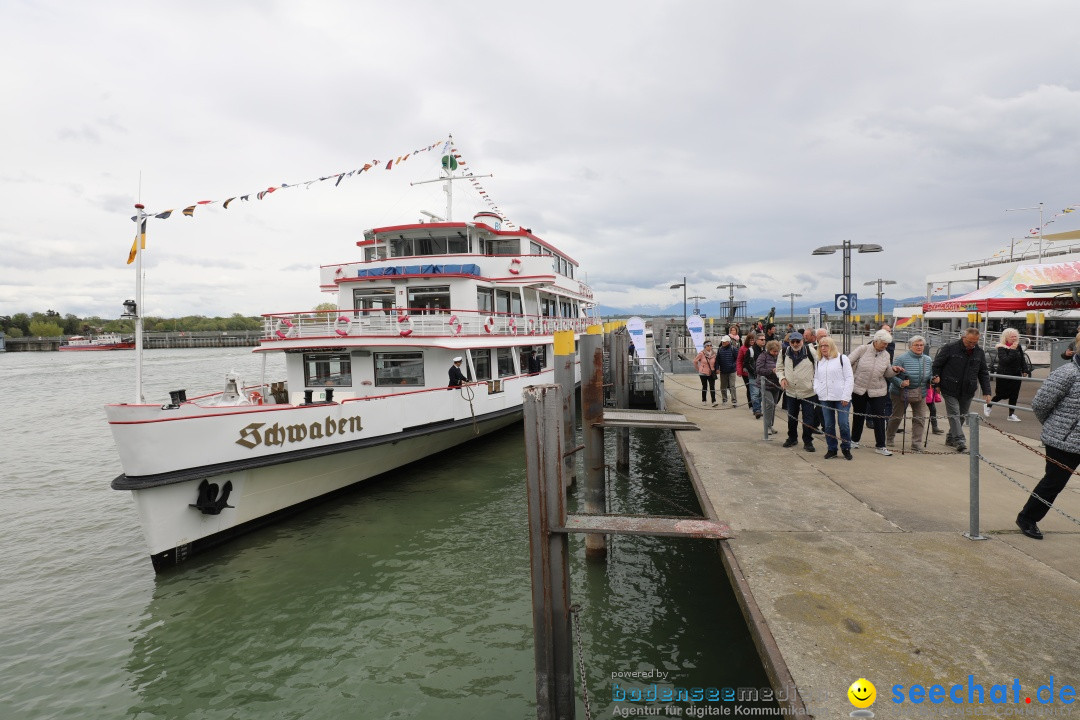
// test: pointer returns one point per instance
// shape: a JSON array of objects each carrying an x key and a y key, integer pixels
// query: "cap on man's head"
[
  {"x": 794, "y": 336},
  {"x": 457, "y": 359},
  {"x": 725, "y": 338}
]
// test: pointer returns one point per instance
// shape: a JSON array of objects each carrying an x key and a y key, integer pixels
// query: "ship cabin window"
[
  {"x": 482, "y": 363},
  {"x": 375, "y": 253},
  {"x": 506, "y": 362},
  {"x": 373, "y": 300},
  {"x": 499, "y": 246},
  {"x": 429, "y": 300},
  {"x": 485, "y": 300},
  {"x": 535, "y": 249},
  {"x": 393, "y": 369},
  {"x": 402, "y": 246},
  {"x": 508, "y": 301},
  {"x": 327, "y": 370},
  {"x": 547, "y": 307}
]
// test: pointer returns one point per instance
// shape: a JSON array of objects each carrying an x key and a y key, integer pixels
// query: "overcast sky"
[{"x": 721, "y": 141}]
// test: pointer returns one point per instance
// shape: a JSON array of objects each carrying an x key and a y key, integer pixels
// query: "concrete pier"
[{"x": 860, "y": 569}]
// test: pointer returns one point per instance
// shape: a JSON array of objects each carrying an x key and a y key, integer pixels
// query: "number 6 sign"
[{"x": 846, "y": 303}]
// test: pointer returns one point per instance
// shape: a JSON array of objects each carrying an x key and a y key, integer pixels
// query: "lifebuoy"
[
  {"x": 515, "y": 266},
  {"x": 255, "y": 397},
  {"x": 489, "y": 324},
  {"x": 284, "y": 322},
  {"x": 405, "y": 325},
  {"x": 530, "y": 326},
  {"x": 512, "y": 326},
  {"x": 337, "y": 325},
  {"x": 455, "y": 325}
]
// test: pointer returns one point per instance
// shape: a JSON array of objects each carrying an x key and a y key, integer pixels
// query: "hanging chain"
[{"x": 574, "y": 610}]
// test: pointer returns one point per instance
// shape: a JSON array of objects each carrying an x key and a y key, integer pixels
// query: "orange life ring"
[
  {"x": 405, "y": 325},
  {"x": 455, "y": 325},
  {"x": 489, "y": 324},
  {"x": 255, "y": 397},
  {"x": 284, "y": 322},
  {"x": 337, "y": 325}
]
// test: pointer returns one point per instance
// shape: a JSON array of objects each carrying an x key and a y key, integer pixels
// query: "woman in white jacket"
[{"x": 833, "y": 383}]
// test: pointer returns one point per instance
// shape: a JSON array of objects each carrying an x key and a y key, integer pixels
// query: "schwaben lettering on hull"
[{"x": 277, "y": 434}]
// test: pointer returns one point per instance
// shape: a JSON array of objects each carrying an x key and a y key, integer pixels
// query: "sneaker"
[
  {"x": 757, "y": 416},
  {"x": 1013, "y": 418},
  {"x": 938, "y": 431},
  {"x": 716, "y": 404},
  {"x": 771, "y": 431},
  {"x": 734, "y": 404},
  {"x": 916, "y": 449},
  {"x": 808, "y": 447},
  {"x": 986, "y": 409},
  {"x": 854, "y": 445},
  {"x": 961, "y": 448},
  {"x": 847, "y": 454},
  {"x": 949, "y": 442},
  {"x": 791, "y": 442},
  {"x": 830, "y": 454},
  {"x": 883, "y": 451}
]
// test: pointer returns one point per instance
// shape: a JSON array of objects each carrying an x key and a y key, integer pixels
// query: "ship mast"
[{"x": 450, "y": 164}]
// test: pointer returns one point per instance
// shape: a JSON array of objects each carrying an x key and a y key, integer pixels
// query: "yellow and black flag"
[{"x": 139, "y": 242}]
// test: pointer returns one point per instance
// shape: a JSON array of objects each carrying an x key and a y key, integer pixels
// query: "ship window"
[
  {"x": 430, "y": 246},
  {"x": 482, "y": 363},
  {"x": 534, "y": 248},
  {"x": 327, "y": 370},
  {"x": 458, "y": 245},
  {"x": 374, "y": 253},
  {"x": 485, "y": 300},
  {"x": 502, "y": 301},
  {"x": 373, "y": 298},
  {"x": 399, "y": 368},
  {"x": 429, "y": 300},
  {"x": 506, "y": 362},
  {"x": 401, "y": 247}
]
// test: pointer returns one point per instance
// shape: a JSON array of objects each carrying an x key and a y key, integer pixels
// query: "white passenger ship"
[{"x": 367, "y": 383}]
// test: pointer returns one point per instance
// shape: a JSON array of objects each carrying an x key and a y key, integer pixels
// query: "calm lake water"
[{"x": 407, "y": 598}]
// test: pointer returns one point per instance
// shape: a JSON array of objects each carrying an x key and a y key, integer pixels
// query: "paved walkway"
[{"x": 860, "y": 568}]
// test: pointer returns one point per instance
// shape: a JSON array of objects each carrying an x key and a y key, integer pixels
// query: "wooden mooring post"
[
  {"x": 550, "y": 525},
  {"x": 620, "y": 367},
  {"x": 592, "y": 433},
  {"x": 564, "y": 362}
]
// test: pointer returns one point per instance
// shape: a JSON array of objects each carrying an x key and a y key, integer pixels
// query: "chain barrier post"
[{"x": 973, "y": 479}]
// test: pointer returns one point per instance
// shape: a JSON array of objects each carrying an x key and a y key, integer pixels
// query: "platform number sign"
[{"x": 847, "y": 303}]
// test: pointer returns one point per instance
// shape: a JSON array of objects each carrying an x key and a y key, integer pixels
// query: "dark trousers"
[
  {"x": 863, "y": 405},
  {"x": 708, "y": 384},
  {"x": 1007, "y": 390},
  {"x": 809, "y": 412},
  {"x": 1053, "y": 482}
]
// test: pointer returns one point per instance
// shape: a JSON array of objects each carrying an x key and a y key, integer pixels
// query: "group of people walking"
[{"x": 821, "y": 388}]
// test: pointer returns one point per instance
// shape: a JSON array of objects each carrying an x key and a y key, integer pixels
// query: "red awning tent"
[{"x": 1010, "y": 292}]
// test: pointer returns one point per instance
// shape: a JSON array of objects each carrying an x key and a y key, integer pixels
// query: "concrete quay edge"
[{"x": 860, "y": 569}]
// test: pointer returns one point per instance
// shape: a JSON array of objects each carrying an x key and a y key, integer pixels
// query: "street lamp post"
[
  {"x": 791, "y": 313},
  {"x": 879, "y": 282},
  {"x": 846, "y": 247},
  {"x": 683, "y": 286}
]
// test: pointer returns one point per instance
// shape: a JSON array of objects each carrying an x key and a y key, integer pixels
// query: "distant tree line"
[{"x": 51, "y": 324}]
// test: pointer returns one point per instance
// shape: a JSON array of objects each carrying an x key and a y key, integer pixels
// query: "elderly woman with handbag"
[
  {"x": 873, "y": 367},
  {"x": 909, "y": 388}
]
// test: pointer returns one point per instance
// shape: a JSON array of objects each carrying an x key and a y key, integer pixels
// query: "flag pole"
[{"x": 140, "y": 240}]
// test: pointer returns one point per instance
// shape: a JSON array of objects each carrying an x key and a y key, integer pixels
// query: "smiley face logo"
[{"x": 862, "y": 693}]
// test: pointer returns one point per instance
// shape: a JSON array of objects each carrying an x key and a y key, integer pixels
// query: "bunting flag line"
[
  {"x": 447, "y": 148},
  {"x": 1034, "y": 232}
]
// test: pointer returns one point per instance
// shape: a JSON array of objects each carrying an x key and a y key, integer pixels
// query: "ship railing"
[{"x": 412, "y": 322}]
